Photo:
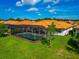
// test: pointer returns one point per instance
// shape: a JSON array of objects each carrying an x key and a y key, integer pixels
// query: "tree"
[
  {"x": 73, "y": 43},
  {"x": 10, "y": 19},
  {"x": 18, "y": 19},
  {"x": 49, "y": 36},
  {"x": 3, "y": 30}
]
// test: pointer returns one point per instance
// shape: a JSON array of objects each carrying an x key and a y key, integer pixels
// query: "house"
[
  {"x": 76, "y": 29},
  {"x": 25, "y": 26},
  {"x": 39, "y": 27},
  {"x": 64, "y": 32}
]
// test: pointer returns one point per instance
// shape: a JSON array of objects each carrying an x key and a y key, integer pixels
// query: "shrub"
[{"x": 3, "y": 30}]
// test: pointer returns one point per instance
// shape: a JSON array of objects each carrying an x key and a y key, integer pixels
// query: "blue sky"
[{"x": 35, "y": 9}]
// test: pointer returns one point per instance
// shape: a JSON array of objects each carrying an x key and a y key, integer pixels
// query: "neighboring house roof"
[
  {"x": 71, "y": 22},
  {"x": 77, "y": 27},
  {"x": 44, "y": 23}
]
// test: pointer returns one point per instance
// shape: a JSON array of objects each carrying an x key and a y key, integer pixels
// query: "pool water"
[{"x": 30, "y": 36}]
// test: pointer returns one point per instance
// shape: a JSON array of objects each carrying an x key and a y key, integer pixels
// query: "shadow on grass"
[{"x": 73, "y": 45}]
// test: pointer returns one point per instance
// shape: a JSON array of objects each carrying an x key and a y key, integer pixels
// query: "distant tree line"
[{"x": 19, "y": 19}]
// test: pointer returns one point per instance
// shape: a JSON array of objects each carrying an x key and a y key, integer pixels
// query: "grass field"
[{"x": 17, "y": 48}]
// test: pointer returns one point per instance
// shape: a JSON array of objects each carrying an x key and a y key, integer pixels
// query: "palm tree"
[{"x": 49, "y": 35}]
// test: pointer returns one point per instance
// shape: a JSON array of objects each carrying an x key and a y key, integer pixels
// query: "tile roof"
[{"x": 44, "y": 23}]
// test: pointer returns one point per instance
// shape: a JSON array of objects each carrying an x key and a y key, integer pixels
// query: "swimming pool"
[{"x": 30, "y": 36}]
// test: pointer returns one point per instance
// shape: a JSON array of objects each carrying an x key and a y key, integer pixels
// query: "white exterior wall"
[{"x": 65, "y": 32}]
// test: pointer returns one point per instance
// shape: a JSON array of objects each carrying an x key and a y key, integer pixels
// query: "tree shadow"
[{"x": 73, "y": 45}]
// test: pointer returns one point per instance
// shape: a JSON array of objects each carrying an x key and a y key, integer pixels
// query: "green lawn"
[{"x": 16, "y": 48}]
